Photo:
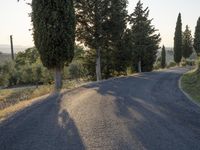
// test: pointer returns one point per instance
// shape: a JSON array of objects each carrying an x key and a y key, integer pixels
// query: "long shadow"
[
  {"x": 43, "y": 127},
  {"x": 165, "y": 119}
]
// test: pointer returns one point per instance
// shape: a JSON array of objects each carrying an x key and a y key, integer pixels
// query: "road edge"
[{"x": 185, "y": 93}]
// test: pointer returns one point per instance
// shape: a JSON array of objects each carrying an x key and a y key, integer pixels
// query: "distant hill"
[{"x": 6, "y": 48}]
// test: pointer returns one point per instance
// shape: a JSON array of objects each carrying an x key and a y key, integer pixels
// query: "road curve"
[{"x": 141, "y": 112}]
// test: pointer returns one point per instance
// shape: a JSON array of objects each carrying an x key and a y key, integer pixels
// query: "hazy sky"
[{"x": 14, "y": 18}]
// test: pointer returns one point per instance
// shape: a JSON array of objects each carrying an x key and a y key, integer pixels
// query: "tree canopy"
[
  {"x": 187, "y": 43},
  {"x": 178, "y": 40},
  {"x": 54, "y": 33},
  {"x": 145, "y": 39},
  {"x": 197, "y": 38},
  {"x": 163, "y": 57}
]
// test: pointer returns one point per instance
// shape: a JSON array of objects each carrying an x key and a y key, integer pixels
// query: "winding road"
[{"x": 142, "y": 112}]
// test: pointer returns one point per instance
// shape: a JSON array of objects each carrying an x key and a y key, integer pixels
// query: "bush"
[
  {"x": 171, "y": 64},
  {"x": 18, "y": 73},
  {"x": 7, "y": 74},
  {"x": 157, "y": 65},
  {"x": 183, "y": 62},
  {"x": 130, "y": 70},
  {"x": 77, "y": 70}
]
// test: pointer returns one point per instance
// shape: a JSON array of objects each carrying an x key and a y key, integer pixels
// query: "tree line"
[
  {"x": 184, "y": 43},
  {"x": 115, "y": 41},
  {"x": 27, "y": 69}
]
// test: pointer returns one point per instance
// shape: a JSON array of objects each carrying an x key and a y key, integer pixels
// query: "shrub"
[
  {"x": 171, "y": 64},
  {"x": 157, "y": 65},
  {"x": 77, "y": 70},
  {"x": 183, "y": 62}
]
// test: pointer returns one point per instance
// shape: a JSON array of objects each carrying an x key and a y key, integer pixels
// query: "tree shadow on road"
[
  {"x": 156, "y": 121},
  {"x": 42, "y": 127}
]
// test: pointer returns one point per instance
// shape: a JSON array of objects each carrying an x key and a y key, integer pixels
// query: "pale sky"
[{"x": 14, "y": 18}]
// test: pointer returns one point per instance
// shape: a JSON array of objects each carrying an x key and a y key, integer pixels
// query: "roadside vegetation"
[
  {"x": 13, "y": 99},
  {"x": 26, "y": 78},
  {"x": 191, "y": 80},
  {"x": 113, "y": 43},
  {"x": 191, "y": 83}
]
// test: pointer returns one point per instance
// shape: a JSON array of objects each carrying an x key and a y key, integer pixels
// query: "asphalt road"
[{"x": 145, "y": 111}]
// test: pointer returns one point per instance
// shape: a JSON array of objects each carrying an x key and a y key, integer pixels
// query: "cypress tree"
[
  {"x": 54, "y": 33},
  {"x": 178, "y": 40},
  {"x": 145, "y": 40},
  {"x": 187, "y": 43},
  {"x": 197, "y": 38},
  {"x": 163, "y": 57},
  {"x": 114, "y": 28}
]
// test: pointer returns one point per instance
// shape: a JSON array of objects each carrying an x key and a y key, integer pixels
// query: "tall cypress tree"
[
  {"x": 54, "y": 33},
  {"x": 163, "y": 57},
  {"x": 187, "y": 43},
  {"x": 145, "y": 39},
  {"x": 178, "y": 40},
  {"x": 197, "y": 38},
  {"x": 114, "y": 28}
]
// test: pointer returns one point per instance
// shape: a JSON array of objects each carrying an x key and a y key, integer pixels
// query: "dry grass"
[
  {"x": 9, "y": 97},
  {"x": 13, "y": 100},
  {"x": 4, "y": 113}
]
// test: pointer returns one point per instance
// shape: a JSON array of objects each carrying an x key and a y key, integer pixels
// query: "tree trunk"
[
  {"x": 58, "y": 79},
  {"x": 98, "y": 64},
  {"x": 139, "y": 66}
]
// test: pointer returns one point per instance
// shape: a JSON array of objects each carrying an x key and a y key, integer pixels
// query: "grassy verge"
[
  {"x": 8, "y": 111},
  {"x": 9, "y": 97},
  {"x": 191, "y": 84},
  {"x": 13, "y": 100}
]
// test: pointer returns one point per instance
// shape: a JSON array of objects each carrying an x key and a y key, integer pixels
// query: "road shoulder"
[{"x": 180, "y": 82}]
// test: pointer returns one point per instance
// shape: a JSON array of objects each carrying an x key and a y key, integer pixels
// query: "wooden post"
[{"x": 12, "y": 51}]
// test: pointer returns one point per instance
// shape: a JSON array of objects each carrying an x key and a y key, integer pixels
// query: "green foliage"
[
  {"x": 91, "y": 17},
  {"x": 115, "y": 50},
  {"x": 171, "y": 64},
  {"x": 4, "y": 58},
  {"x": 7, "y": 74},
  {"x": 163, "y": 57},
  {"x": 144, "y": 39},
  {"x": 183, "y": 62},
  {"x": 191, "y": 84},
  {"x": 197, "y": 38},
  {"x": 30, "y": 56},
  {"x": 77, "y": 70},
  {"x": 54, "y": 31},
  {"x": 89, "y": 61},
  {"x": 187, "y": 43},
  {"x": 178, "y": 41},
  {"x": 101, "y": 26},
  {"x": 26, "y": 69},
  {"x": 157, "y": 65}
]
